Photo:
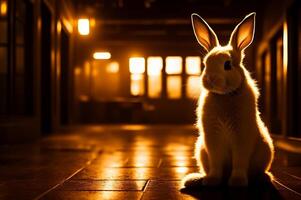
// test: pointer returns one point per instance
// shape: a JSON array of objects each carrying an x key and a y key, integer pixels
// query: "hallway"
[
  {"x": 123, "y": 162},
  {"x": 98, "y": 98}
]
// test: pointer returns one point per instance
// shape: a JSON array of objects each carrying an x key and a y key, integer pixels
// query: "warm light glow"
[
  {"x": 77, "y": 71},
  {"x": 141, "y": 155},
  {"x": 154, "y": 66},
  {"x": 174, "y": 65},
  {"x": 279, "y": 74},
  {"x": 154, "y": 71},
  {"x": 87, "y": 69},
  {"x": 59, "y": 26},
  {"x": 92, "y": 22},
  {"x": 154, "y": 86},
  {"x": 137, "y": 84},
  {"x": 267, "y": 78},
  {"x": 181, "y": 170},
  {"x": 137, "y": 65},
  {"x": 193, "y": 87},
  {"x": 112, "y": 67},
  {"x": 102, "y": 55},
  {"x": 285, "y": 48},
  {"x": 267, "y": 66},
  {"x": 68, "y": 25},
  {"x": 83, "y": 26},
  {"x": 3, "y": 8},
  {"x": 83, "y": 98},
  {"x": 174, "y": 87},
  {"x": 95, "y": 73},
  {"x": 141, "y": 159},
  {"x": 193, "y": 65}
]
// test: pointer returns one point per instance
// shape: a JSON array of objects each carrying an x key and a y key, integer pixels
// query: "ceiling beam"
[{"x": 229, "y": 21}]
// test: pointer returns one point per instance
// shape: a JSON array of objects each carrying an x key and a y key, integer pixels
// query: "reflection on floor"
[{"x": 123, "y": 162}]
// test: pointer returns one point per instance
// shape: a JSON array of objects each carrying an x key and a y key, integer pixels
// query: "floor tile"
[
  {"x": 294, "y": 183},
  {"x": 178, "y": 162},
  {"x": 104, "y": 185},
  {"x": 20, "y": 194},
  {"x": 171, "y": 173},
  {"x": 95, "y": 195},
  {"x": 171, "y": 190}
]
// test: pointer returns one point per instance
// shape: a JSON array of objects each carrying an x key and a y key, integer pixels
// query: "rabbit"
[{"x": 233, "y": 145}]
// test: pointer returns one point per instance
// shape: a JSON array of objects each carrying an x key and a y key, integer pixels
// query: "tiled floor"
[{"x": 124, "y": 162}]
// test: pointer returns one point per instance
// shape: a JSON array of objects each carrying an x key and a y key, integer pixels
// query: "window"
[
  {"x": 193, "y": 71},
  {"x": 3, "y": 57},
  {"x": 137, "y": 69},
  {"x": 154, "y": 73},
  {"x": 174, "y": 65},
  {"x": 137, "y": 65},
  {"x": 173, "y": 70},
  {"x": 193, "y": 65},
  {"x": 147, "y": 76},
  {"x": 193, "y": 87}
]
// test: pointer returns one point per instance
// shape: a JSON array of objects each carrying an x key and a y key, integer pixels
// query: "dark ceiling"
[
  {"x": 161, "y": 21},
  {"x": 154, "y": 9}
]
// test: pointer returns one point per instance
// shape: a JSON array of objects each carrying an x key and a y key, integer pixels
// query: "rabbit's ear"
[
  {"x": 203, "y": 32},
  {"x": 243, "y": 34}
]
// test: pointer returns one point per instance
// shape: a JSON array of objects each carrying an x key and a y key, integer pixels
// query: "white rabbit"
[{"x": 233, "y": 145}]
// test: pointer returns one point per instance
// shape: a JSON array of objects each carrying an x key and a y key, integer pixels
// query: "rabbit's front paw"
[
  {"x": 211, "y": 181},
  {"x": 192, "y": 180},
  {"x": 238, "y": 181}
]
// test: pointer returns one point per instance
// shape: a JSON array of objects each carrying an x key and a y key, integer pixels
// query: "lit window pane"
[
  {"x": 154, "y": 66},
  {"x": 137, "y": 65},
  {"x": 193, "y": 86},
  {"x": 193, "y": 65},
  {"x": 174, "y": 65},
  {"x": 154, "y": 86},
  {"x": 137, "y": 84},
  {"x": 154, "y": 70},
  {"x": 174, "y": 87}
]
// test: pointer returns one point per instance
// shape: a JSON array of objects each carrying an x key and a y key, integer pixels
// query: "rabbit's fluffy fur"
[{"x": 234, "y": 145}]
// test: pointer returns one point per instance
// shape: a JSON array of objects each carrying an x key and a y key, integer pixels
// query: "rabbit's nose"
[
  {"x": 213, "y": 79},
  {"x": 210, "y": 78}
]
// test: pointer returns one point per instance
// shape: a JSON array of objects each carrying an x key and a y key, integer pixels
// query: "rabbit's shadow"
[{"x": 266, "y": 191}]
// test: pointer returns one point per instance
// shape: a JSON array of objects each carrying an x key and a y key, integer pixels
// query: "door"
[
  {"x": 46, "y": 107},
  {"x": 64, "y": 79}
]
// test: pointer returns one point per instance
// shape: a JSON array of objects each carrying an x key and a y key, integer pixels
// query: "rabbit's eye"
[{"x": 227, "y": 65}]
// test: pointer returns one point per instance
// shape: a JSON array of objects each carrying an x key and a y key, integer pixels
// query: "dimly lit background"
[
  {"x": 135, "y": 62},
  {"x": 98, "y": 97}
]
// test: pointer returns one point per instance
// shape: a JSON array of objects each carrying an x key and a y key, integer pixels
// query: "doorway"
[
  {"x": 64, "y": 78},
  {"x": 46, "y": 107}
]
